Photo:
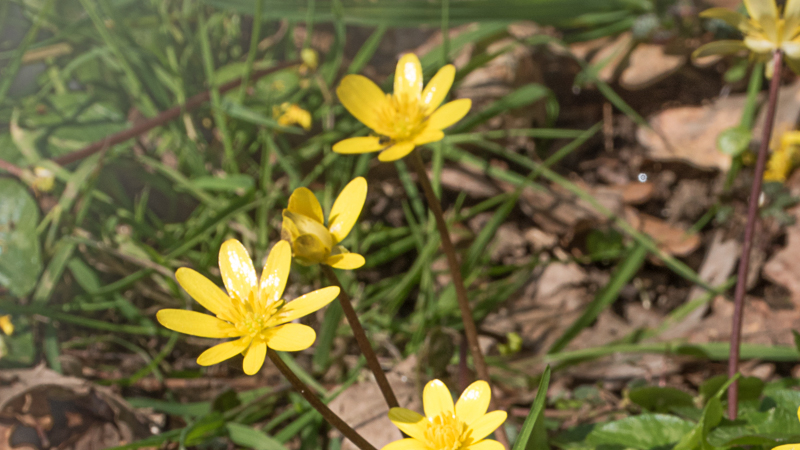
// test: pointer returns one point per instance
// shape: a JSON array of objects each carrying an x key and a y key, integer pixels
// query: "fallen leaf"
[
  {"x": 784, "y": 266},
  {"x": 647, "y": 65},
  {"x": 672, "y": 239}
]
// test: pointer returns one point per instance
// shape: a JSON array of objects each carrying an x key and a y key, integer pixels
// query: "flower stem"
[
  {"x": 470, "y": 330},
  {"x": 752, "y": 217},
  {"x": 327, "y": 414},
  {"x": 361, "y": 339}
]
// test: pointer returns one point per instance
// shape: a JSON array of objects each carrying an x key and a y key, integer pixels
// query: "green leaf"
[
  {"x": 251, "y": 438},
  {"x": 524, "y": 441},
  {"x": 734, "y": 141},
  {"x": 750, "y": 388},
  {"x": 20, "y": 257},
  {"x": 644, "y": 432},
  {"x": 660, "y": 399}
]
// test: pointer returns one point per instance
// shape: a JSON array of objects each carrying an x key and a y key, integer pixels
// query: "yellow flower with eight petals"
[
  {"x": 252, "y": 311},
  {"x": 448, "y": 427},
  {"x": 304, "y": 226},
  {"x": 765, "y": 31},
  {"x": 409, "y": 117},
  {"x": 789, "y": 446}
]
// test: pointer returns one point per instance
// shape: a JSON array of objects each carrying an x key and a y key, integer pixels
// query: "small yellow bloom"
[
  {"x": 289, "y": 114},
  {"x": 765, "y": 31},
  {"x": 789, "y": 446},
  {"x": 409, "y": 117},
  {"x": 251, "y": 311},
  {"x": 6, "y": 325},
  {"x": 448, "y": 427},
  {"x": 304, "y": 226},
  {"x": 784, "y": 158}
]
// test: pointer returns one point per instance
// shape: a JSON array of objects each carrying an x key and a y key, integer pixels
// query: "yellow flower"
[
  {"x": 789, "y": 446},
  {"x": 784, "y": 158},
  {"x": 764, "y": 31},
  {"x": 6, "y": 325},
  {"x": 304, "y": 226},
  {"x": 409, "y": 117},
  {"x": 289, "y": 114},
  {"x": 445, "y": 427},
  {"x": 251, "y": 311}
]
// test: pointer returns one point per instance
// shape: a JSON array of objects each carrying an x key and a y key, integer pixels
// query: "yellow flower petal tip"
[
  {"x": 464, "y": 425},
  {"x": 766, "y": 30},
  {"x": 784, "y": 158},
  {"x": 6, "y": 325},
  {"x": 251, "y": 311},
  {"x": 408, "y": 117},
  {"x": 312, "y": 241}
]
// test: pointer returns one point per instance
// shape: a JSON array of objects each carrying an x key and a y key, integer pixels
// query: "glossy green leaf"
[
  {"x": 20, "y": 255},
  {"x": 644, "y": 432}
]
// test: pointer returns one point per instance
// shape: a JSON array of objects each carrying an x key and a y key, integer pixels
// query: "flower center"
[
  {"x": 403, "y": 118},
  {"x": 446, "y": 432},
  {"x": 256, "y": 315}
]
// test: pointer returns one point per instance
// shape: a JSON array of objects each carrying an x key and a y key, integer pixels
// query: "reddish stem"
[{"x": 749, "y": 231}]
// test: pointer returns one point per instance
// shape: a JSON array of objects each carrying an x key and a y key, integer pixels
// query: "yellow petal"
[
  {"x": 429, "y": 136},
  {"x": 6, "y": 325},
  {"x": 437, "y": 88},
  {"x": 291, "y": 337},
  {"x": 449, "y": 114},
  {"x": 728, "y": 16},
  {"x": 276, "y": 272},
  {"x": 798, "y": 413},
  {"x": 485, "y": 445},
  {"x": 303, "y": 201},
  {"x": 474, "y": 402},
  {"x": 765, "y": 12},
  {"x": 289, "y": 231},
  {"x": 485, "y": 425},
  {"x": 409, "y": 422},
  {"x": 791, "y": 13},
  {"x": 307, "y": 304},
  {"x": 307, "y": 225},
  {"x": 759, "y": 44},
  {"x": 726, "y": 47},
  {"x": 362, "y": 98},
  {"x": 791, "y": 49},
  {"x": 406, "y": 444},
  {"x": 205, "y": 292},
  {"x": 309, "y": 250},
  {"x": 347, "y": 208},
  {"x": 195, "y": 323},
  {"x": 221, "y": 352},
  {"x": 237, "y": 270},
  {"x": 396, "y": 151},
  {"x": 436, "y": 399},
  {"x": 365, "y": 144},
  {"x": 408, "y": 76},
  {"x": 346, "y": 261},
  {"x": 254, "y": 357}
]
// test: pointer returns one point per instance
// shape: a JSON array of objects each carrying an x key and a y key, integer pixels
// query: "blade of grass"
[{"x": 535, "y": 415}]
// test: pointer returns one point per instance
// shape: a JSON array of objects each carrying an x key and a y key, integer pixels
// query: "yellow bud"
[
  {"x": 6, "y": 325},
  {"x": 310, "y": 58}
]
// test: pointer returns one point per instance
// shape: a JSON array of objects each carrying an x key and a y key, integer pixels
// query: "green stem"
[
  {"x": 361, "y": 339},
  {"x": 327, "y": 414}
]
